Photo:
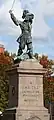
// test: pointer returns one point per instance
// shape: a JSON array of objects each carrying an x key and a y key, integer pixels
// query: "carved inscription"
[{"x": 30, "y": 90}]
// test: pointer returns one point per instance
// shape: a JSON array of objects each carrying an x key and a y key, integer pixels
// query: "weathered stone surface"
[
  {"x": 30, "y": 91},
  {"x": 26, "y": 91}
]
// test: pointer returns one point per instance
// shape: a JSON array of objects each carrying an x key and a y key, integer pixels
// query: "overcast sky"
[{"x": 43, "y": 25}]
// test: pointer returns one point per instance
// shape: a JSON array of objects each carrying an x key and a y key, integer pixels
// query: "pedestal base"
[
  {"x": 22, "y": 114},
  {"x": 26, "y": 92}
]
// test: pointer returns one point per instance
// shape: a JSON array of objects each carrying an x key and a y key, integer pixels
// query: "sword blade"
[{"x": 12, "y": 4}]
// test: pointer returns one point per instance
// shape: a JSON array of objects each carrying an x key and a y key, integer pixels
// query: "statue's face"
[{"x": 24, "y": 13}]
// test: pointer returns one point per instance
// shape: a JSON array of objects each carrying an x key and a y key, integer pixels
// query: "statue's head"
[
  {"x": 24, "y": 13},
  {"x": 29, "y": 17}
]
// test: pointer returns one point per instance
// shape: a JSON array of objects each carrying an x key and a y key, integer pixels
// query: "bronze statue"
[{"x": 25, "y": 38}]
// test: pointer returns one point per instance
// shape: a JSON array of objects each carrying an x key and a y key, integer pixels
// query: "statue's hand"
[{"x": 10, "y": 11}]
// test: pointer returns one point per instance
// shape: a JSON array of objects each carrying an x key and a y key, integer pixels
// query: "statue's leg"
[
  {"x": 20, "y": 51},
  {"x": 30, "y": 49},
  {"x": 21, "y": 47}
]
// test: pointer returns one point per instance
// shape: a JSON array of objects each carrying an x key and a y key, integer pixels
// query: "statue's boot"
[{"x": 20, "y": 52}]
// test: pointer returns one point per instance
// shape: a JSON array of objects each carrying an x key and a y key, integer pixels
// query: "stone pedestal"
[{"x": 26, "y": 92}]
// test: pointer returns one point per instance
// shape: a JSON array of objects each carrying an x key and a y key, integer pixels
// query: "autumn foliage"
[
  {"x": 6, "y": 62},
  {"x": 44, "y": 61},
  {"x": 48, "y": 82},
  {"x": 5, "y": 58}
]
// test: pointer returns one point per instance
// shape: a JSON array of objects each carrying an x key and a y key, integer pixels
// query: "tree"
[
  {"x": 48, "y": 82},
  {"x": 6, "y": 58},
  {"x": 6, "y": 62},
  {"x": 44, "y": 61},
  {"x": 48, "y": 86}
]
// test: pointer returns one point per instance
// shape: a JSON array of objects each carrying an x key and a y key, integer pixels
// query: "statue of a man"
[{"x": 25, "y": 37}]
